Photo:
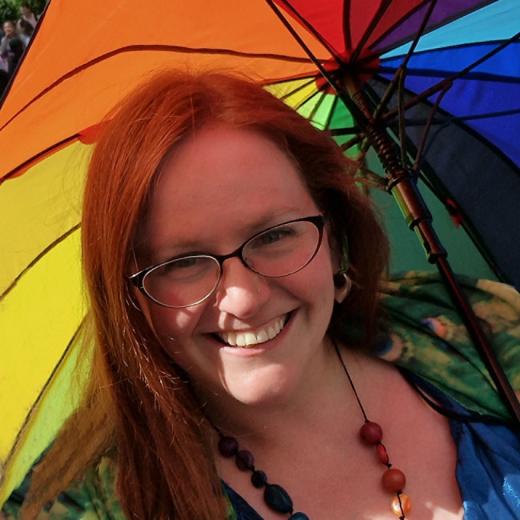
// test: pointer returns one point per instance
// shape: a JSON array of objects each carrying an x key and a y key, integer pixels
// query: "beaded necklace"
[{"x": 277, "y": 498}]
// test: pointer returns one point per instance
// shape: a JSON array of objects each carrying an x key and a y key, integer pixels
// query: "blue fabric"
[
  {"x": 488, "y": 464},
  {"x": 486, "y": 99},
  {"x": 243, "y": 510},
  {"x": 497, "y": 21}
]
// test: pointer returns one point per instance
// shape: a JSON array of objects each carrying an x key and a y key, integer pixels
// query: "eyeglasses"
[{"x": 278, "y": 251}]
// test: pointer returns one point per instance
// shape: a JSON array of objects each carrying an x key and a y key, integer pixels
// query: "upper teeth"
[{"x": 253, "y": 337}]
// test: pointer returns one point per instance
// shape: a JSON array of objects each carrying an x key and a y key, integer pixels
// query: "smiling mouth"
[{"x": 251, "y": 338}]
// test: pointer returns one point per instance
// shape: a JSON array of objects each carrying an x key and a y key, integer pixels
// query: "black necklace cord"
[{"x": 342, "y": 363}]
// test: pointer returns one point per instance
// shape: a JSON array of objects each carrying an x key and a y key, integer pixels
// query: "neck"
[{"x": 323, "y": 398}]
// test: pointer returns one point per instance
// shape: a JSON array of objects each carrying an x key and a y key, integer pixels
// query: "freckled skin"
[{"x": 217, "y": 185}]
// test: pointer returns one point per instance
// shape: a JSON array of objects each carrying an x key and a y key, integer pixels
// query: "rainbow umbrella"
[{"x": 450, "y": 109}]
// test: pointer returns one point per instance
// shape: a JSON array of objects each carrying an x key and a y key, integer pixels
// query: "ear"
[{"x": 342, "y": 286}]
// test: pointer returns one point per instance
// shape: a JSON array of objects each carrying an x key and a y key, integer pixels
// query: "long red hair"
[{"x": 137, "y": 403}]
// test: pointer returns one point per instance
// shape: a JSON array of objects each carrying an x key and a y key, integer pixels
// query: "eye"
[
  {"x": 182, "y": 263},
  {"x": 273, "y": 236},
  {"x": 184, "y": 268}
]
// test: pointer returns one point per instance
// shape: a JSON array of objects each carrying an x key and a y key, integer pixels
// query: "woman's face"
[
  {"x": 221, "y": 186},
  {"x": 9, "y": 29}
]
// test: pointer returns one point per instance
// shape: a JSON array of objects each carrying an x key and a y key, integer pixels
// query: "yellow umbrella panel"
[{"x": 41, "y": 306}]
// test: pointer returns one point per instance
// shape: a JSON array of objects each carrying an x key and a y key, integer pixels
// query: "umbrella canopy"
[{"x": 86, "y": 55}]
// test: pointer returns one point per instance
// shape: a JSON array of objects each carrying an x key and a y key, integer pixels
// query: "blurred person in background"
[
  {"x": 25, "y": 31},
  {"x": 28, "y": 15},
  {"x": 11, "y": 47}
]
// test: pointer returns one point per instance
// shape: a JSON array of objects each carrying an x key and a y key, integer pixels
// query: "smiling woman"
[{"x": 233, "y": 269}]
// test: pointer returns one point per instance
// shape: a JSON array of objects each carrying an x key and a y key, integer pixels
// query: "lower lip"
[{"x": 261, "y": 347}]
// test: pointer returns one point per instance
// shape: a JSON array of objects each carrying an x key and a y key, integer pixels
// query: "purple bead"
[
  {"x": 258, "y": 479},
  {"x": 299, "y": 516},
  {"x": 227, "y": 446},
  {"x": 244, "y": 460}
]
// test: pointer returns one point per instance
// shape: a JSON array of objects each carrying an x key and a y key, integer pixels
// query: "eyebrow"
[{"x": 189, "y": 246}]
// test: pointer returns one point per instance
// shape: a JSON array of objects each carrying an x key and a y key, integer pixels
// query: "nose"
[{"x": 241, "y": 292}]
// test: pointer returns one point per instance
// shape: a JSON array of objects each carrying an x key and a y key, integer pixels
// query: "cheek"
[
  {"x": 314, "y": 284},
  {"x": 179, "y": 323},
  {"x": 167, "y": 323}
]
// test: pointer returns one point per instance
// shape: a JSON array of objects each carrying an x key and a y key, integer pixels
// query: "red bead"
[
  {"x": 382, "y": 454},
  {"x": 371, "y": 433},
  {"x": 393, "y": 480}
]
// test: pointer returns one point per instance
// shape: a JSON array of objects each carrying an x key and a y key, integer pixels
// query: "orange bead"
[
  {"x": 405, "y": 504},
  {"x": 393, "y": 480}
]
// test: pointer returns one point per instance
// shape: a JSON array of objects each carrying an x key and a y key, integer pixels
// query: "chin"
[{"x": 265, "y": 386}]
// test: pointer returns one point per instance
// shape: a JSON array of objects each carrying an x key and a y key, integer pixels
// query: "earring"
[{"x": 343, "y": 285}]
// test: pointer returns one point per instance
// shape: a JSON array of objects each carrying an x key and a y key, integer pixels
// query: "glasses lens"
[
  {"x": 182, "y": 282},
  {"x": 282, "y": 250}
]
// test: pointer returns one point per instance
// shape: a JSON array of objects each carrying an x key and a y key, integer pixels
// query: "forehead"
[{"x": 220, "y": 181}]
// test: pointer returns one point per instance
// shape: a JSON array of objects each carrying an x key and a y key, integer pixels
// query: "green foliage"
[{"x": 10, "y": 9}]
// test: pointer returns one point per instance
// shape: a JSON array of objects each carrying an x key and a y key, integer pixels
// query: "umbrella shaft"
[
  {"x": 404, "y": 189},
  {"x": 480, "y": 340}
]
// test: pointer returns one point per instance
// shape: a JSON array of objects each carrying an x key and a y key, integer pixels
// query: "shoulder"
[
  {"x": 92, "y": 497},
  {"x": 428, "y": 337}
]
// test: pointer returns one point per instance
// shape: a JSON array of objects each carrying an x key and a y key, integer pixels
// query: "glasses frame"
[{"x": 137, "y": 279}]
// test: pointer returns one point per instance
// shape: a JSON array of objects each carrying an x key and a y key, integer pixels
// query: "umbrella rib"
[
  {"x": 448, "y": 118},
  {"x": 479, "y": 76},
  {"x": 349, "y": 103},
  {"x": 400, "y": 119},
  {"x": 299, "y": 105},
  {"x": 441, "y": 23},
  {"x": 335, "y": 102},
  {"x": 448, "y": 48},
  {"x": 401, "y": 70},
  {"x": 36, "y": 259},
  {"x": 145, "y": 48},
  {"x": 317, "y": 105},
  {"x": 440, "y": 191},
  {"x": 387, "y": 118},
  {"x": 37, "y": 156},
  {"x": 426, "y": 130},
  {"x": 42, "y": 392},
  {"x": 304, "y": 22},
  {"x": 370, "y": 29},
  {"x": 346, "y": 25},
  {"x": 400, "y": 21},
  {"x": 439, "y": 86},
  {"x": 345, "y": 131},
  {"x": 297, "y": 89}
]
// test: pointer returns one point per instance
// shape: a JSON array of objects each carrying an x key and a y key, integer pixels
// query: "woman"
[
  {"x": 233, "y": 268},
  {"x": 11, "y": 47},
  {"x": 27, "y": 14}
]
